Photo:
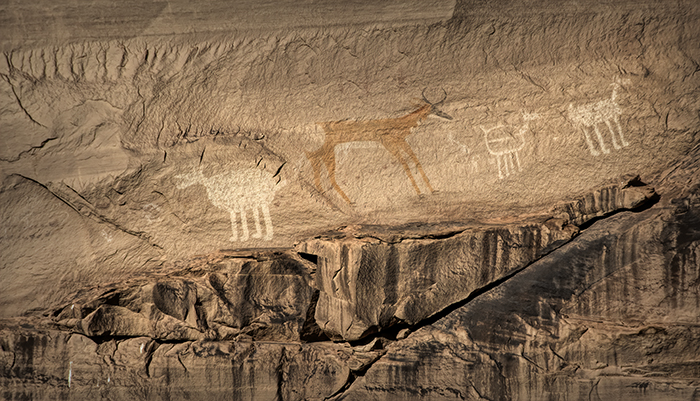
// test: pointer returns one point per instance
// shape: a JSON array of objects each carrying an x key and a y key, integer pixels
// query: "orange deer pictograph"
[{"x": 390, "y": 132}]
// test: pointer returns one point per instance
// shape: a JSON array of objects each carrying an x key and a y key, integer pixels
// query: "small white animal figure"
[
  {"x": 503, "y": 142},
  {"x": 465, "y": 149},
  {"x": 593, "y": 114},
  {"x": 237, "y": 191}
]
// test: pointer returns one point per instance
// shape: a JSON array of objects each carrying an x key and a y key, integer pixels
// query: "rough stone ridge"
[{"x": 611, "y": 314}]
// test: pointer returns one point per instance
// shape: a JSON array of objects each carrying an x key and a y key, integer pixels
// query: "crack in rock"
[
  {"x": 475, "y": 294},
  {"x": 31, "y": 149},
  {"x": 19, "y": 102}
]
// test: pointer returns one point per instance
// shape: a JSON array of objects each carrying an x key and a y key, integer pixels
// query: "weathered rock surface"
[
  {"x": 359, "y": 200},
  {"x": 611, "y": 315},
  {"x": 57, "y": 365},
  {"x": 265, "y": 295},
  {"x": 373, "y": 279}
]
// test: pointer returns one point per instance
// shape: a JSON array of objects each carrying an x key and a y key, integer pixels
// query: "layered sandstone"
[{"x": 322, "y": 200}]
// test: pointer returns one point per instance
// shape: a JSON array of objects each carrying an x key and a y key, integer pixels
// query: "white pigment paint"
[
  {"x": 151, "y": 212},
  {"x": 70, "y": 372},
  {"x": 504, "y": 142},
  {"x": 107, "y": 236},
  {"x": 592, "y": 115},
  {"x": 475, "y": 164},
  {"x": 237, "y": 192},
  {"x": 463, "y": 147}
]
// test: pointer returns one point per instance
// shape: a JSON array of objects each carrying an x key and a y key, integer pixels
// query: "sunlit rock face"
[{"x": 322, "y": 200}]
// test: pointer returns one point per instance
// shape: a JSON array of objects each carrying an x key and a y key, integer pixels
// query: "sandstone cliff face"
[{"x": 404, "y": 200}]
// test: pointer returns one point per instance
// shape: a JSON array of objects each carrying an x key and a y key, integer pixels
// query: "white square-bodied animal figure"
[
  {"x": 236, "y": 192},
  {"x": 592, "y": 115}
]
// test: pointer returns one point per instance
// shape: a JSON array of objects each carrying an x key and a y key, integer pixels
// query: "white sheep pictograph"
[
  {"x": 505, "y": 141},
  {"x": 236, "y": 192},
  {"x": 603, "y": 112}
]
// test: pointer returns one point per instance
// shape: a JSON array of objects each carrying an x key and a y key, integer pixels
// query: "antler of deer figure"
[{"x": 390, "y": 132}]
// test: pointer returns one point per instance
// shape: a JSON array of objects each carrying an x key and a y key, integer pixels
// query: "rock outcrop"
[
  {"x": 611, "y": 315},
  {"x": 400, "y": 200}
]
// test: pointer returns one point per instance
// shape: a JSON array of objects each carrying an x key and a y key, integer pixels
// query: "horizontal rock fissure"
[
  {"x": 653, "y": 200},
  {"x": 33, "y": 148},
  {"x": 310, "y": 257}
]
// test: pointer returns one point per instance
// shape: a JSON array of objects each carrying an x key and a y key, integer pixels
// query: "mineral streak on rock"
[
  {"x": 610, "y": 313},
  {"x": 363, "y": 276},
  {"x": 363, "y": 280},
  {"x": 260, "y": 200}
]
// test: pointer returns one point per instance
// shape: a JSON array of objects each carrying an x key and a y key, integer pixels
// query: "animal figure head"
[
  {"x": 183, "y": 181},
  {"x": 618, "y": 83},
  {"x": 621, "y": 81},
  {"x": 429, "y": 107}
]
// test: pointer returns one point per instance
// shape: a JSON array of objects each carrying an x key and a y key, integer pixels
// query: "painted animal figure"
[
  {"x": 390, "y": 132},
  {"x": 236, "y": 192},
  {"x": 466, "y": 151},
  {"x": 504, "y": 142},
  {"x": 603, "y": 112}
]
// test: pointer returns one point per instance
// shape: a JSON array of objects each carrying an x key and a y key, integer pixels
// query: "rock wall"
[{"x": 403, "y": 200}]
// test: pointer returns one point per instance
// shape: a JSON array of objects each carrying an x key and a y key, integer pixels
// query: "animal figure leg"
[
  {"x": 315, "y": 159},
  {"x": 500, "y": 174},
  {"x": 268, "y": 221},
  {"x": 594, "y": 152},
  {"x": 234, "y": 231},
  {"x": 510, "y": 161},
  {"x": 244, "y": 224},
  {"x": 600, "y": 139},
  {"x": 329, "y": 159},
  {"x": 612, "y": 133},
  {"x": 517, "y": 159},
  {"x": 256, "y": 218},
  {"x": 394, "y": 150},
  {"x": 506, "y": 164},
  {"x": 413, "y": 157},
  {"x": 619, "y": 130}
]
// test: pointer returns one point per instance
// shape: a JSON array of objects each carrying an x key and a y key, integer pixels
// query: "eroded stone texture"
[
  {"x": 37, "y": 272},
  {"x": 600, "y": 316},
  {"x": 367, "y": 284},
  {"x": 194, "y": 198},
  {"x": 370, "y": 280},
  {"x": 264, "y": 295},
  {"x": 49, "y": 364}
]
